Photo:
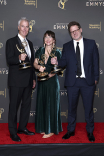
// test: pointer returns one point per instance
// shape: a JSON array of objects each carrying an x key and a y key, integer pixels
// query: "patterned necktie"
[
  {"x": 25, "y": 43},
  {"x": 78, "y": 60}
]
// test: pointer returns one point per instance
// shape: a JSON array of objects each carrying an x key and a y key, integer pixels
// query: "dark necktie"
[{"x": 78, "y": 60}]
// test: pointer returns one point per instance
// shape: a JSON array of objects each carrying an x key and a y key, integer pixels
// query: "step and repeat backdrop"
[{"x": 52, "y": 15}]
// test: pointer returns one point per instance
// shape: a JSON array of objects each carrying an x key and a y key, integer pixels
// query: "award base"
[
  {"x": 56, "y": 69},
  {"x": 42, "y": 76},
  {"x": 24, "y": 65}
]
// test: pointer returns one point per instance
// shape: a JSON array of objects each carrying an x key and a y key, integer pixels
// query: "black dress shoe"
[
  {"x": 26, "y": 131},
  {"x": 15, "y": 137},
  {"x": 68, "y": 135},
  {"x": 91, "y": 137}
]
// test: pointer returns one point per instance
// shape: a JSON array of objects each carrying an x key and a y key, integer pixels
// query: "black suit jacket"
[
  {"x": 90, "y": 62},
  {"x": 17, "y": 77}
]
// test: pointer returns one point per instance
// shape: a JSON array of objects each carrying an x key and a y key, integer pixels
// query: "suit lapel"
[
  {"x": 85, "y": 48},
  {"x": 19, "y": 42},
  {"x": 30, "y": 46},
  {"x": 30, "y": 50}
]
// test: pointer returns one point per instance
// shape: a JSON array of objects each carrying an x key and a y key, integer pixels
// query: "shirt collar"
[
  {"x": 80, "y": 41},
  {"x": 21, "y": 38}
]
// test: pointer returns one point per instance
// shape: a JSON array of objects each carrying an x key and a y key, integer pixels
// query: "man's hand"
[
  {"x": 22, "y": 57},
  {"x": 34, "y": 84},
  {"x": 95, "y": 82},
  {"x": 54, "y": 60}
]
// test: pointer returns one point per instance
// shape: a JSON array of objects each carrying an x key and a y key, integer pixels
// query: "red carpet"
[{"x": 80, "y": 135}]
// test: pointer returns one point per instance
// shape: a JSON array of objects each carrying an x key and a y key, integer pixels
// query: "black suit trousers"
[
  {"x": 19, "y": 95},
  {"x": 87, "y": 93}
]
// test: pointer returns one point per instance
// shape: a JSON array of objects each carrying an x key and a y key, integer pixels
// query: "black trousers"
[
  {"x": 87, "y": 93},
  {"x": 19, "y": 95}
]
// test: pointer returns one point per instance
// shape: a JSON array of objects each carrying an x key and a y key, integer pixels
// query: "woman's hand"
[
  {"x": 41, "y": 69},
  {"x": 50, "y": 75}
]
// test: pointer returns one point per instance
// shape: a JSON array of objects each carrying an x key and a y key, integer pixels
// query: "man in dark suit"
[
  {"x": 81, "y": 58},
  {"x": 20, "y": 81}
]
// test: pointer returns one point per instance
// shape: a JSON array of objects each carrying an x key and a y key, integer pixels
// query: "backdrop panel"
[{"x": 52, "y": 15}]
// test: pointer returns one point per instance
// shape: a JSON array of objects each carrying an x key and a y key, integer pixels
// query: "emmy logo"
[
  {"x": 3, "y": 93},
  {"x": 2, "y": 25},
  {"x": 31, "y": 23},
  {"x": 1, "y": 45},
  {"x": 3, "y": 71},
  {"x": 61, "y": 26},
  {"x": 33, "y": 91},
  {"x": 101, "y": 71},
  {"x": 61, "y": 4},
  {"x": 94, "y": 110},
  {"x": 97, "y": 92},
  {"x": 3, "y": 1},
  {"x": 63, "y": 92},
  {"x": 65, "y": 114},
  {"x": 1, "y": 112},
  {"x": 32, "y": 113},
  {"x": 36, "y": 48},
  {"x": 97, "y": 3}
]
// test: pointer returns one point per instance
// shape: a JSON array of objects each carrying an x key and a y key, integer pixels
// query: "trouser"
[
  {"x": 87, "y": 93},
  {"x": 17, "y": 95}
]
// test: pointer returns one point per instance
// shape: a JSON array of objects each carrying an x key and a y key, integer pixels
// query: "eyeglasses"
[{"x": 74, "y": 31}]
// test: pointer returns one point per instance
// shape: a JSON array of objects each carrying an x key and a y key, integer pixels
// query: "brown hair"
[
  {"x": 72, "y": 24},
  {"x": 49, "y": 33}
]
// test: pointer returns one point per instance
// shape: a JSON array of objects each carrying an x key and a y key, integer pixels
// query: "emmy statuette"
[
  {"x": 23, "y": 65},
  {"x": 56, "y": 69},
  {"x": 42, "y": 76}
]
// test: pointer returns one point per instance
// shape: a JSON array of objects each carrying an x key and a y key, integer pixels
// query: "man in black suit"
[
  {"x": 20, "y": 81},
  {"x": 81, "y": 58}
]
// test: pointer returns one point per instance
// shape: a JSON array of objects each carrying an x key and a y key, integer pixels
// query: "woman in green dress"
[{"x": 48, "y": 119}]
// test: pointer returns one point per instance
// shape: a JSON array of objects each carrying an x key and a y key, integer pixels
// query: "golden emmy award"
[
  {"x": 56, "y": 69},
  {"x": 42, "y": 75},
  {"x": 1, "y": 111},
  {"x": 23, "y": 65}
]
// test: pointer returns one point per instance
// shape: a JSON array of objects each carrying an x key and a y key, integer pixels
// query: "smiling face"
[
  {"x": 75, "y": 32},
  {"x": 48, "y": 40},
  {"x": 23, "y": 28}
]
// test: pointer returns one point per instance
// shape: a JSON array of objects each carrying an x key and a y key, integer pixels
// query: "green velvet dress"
[{"x": 48, "y": 117}]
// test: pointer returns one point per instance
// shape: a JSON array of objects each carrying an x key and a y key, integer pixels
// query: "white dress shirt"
[
  {"x": 81, "y": 46},
  {"x": 27, "y": 48}
]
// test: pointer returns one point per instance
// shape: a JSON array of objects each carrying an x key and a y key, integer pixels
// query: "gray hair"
[{"x": 23, "y": 19}]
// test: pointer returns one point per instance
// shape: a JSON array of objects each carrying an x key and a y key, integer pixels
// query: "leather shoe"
[
  {"x": 91, "y": 137},
  {"x": 68, "y": 135},
  {"x": 26, "y": 131},
  {"x": 15, "y": 137}
]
